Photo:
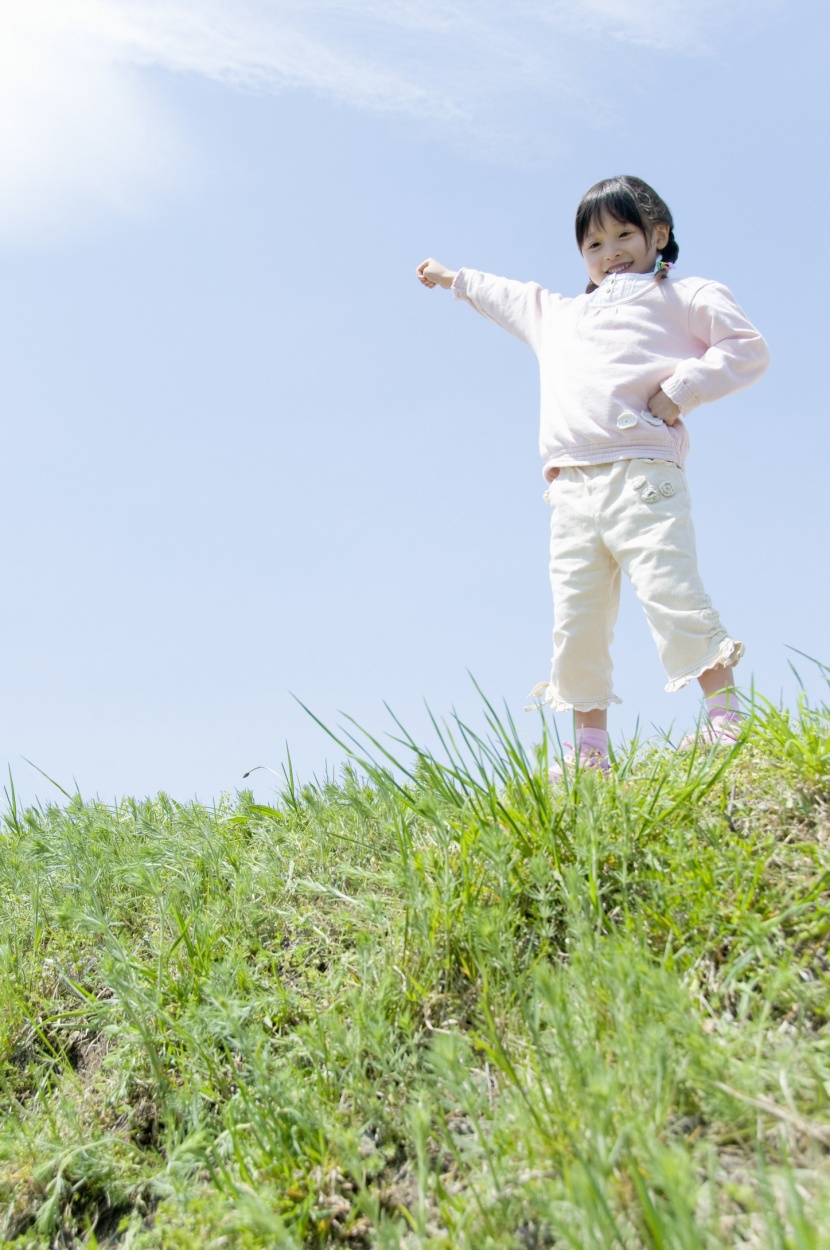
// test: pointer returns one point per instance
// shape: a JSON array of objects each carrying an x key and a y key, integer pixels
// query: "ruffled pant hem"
[
  {"x": 547, "y": 697},
  {"x": 729, "y": 653}
]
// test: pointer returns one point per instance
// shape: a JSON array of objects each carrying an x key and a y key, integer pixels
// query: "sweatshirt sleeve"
[
  {"x": 734, "y": 353},
  {"x": 515, "y": 306}
]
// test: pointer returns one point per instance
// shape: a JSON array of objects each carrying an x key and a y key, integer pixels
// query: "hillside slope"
[{"x": 432, "y": 1003}]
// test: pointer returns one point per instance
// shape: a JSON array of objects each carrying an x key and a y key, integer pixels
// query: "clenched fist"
[
  {"x": 664, "y": 408},
  {"x": 432, "y": 273}
]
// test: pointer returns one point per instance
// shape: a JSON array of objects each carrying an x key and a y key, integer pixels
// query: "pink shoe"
[
  {"x": 587, "y": 758},
  {"x": 722, "y": 730}
]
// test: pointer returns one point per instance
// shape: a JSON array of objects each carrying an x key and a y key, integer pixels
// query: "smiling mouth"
[{"x": 620, "y": 268}]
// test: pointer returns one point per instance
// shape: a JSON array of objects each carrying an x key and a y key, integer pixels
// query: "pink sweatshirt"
[{"x": 602, "y": 357}]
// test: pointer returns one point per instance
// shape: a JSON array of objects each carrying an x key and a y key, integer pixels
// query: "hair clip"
[{"x": 663, "y": 266}]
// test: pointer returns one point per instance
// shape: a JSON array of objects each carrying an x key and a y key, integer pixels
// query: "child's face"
[{"x": 612, "y": 246}]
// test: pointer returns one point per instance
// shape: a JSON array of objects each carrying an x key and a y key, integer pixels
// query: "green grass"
[{"x": 430, "y": 1003}]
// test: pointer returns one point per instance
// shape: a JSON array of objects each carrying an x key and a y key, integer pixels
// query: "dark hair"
[{"x": 628, "y": 200}]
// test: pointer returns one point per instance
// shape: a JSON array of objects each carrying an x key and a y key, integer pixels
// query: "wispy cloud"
[{"x": 83, "y": 125}]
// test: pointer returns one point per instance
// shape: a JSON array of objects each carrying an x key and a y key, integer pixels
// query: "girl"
[{"x": 620, "y": 367}]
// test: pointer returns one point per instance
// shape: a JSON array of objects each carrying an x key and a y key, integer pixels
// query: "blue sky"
[{"x": 247, "y": 456}]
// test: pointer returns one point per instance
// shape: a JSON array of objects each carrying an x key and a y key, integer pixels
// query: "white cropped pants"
[{"x": 631, "y": 516}]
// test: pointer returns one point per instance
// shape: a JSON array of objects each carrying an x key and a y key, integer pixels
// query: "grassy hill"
[{"x": 433, "y": 1003}]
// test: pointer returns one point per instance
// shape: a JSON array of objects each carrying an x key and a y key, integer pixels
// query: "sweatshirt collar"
[{"x": 620, "y": 286}]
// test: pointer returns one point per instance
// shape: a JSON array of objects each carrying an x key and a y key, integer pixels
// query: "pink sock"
[
  {"x": 723, "y": 705},
  {"x": 588, "y": 740}
]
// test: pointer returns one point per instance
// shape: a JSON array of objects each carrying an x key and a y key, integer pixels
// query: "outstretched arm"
[
  {"x": 515, "y": 306},
  {"x": 432, "y": 273}
]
